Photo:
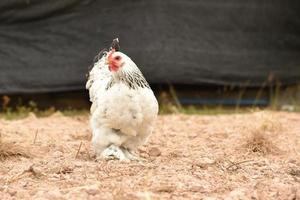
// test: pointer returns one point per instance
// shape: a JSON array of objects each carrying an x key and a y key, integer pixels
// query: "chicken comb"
[
  {"x": 110, "y": 54},
  {"x": 115, "y": 44}
]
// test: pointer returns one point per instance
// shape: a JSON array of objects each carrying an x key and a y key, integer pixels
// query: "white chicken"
[{"x": 124, "y": 108}]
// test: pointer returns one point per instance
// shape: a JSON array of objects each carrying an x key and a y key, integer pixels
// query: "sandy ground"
[{"x": 240, "y": 156}]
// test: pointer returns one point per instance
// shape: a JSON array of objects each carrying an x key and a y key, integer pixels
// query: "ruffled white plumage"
[{"x": 120, "y": 115}]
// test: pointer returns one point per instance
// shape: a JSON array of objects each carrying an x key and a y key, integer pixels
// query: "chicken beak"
[
  {"x": 108, "y": 58},
  {"x": 108, "y": 61}
]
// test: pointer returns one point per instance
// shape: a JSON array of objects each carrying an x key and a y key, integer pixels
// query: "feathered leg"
[
  {"x": 113, "y": 152},
  {"x": 130, "y": 155},
  {"x": 107, "y": 142}
]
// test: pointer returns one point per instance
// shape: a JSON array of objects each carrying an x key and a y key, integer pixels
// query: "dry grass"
[
  {"x": 9, "y": 149},
  {"x": 260, "y": 143},
  {"x": 261, "y": 134}
]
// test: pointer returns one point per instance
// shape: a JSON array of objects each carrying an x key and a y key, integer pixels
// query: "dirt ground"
[{"x": 238, "y": 156}]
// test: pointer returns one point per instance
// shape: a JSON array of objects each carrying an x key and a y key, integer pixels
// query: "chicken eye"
[{"x": 118, "y": 58}]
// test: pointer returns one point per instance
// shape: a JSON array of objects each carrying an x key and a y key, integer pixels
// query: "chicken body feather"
[{"x": 124, "y": 108}]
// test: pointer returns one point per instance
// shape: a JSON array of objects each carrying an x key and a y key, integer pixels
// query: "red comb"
[{"x": 110, "y": 53}]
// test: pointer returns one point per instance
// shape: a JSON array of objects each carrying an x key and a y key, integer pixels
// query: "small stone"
[
  {"x": 166, "y": 188},
  {"x": 54, "y": 194},
  {"x": 12, "y": 192},
  {"x": 92, "y": 191},
  {"x": 237, "y": 194},
  {"x": 58, "y": 154},
  {"x": 144, "y": 195},
  {"x": 33, "y": 192},
  {"x": 24, "y": 184},
  {"x": 154, "y": 151},
  {"x": 78, "y": 165},
  {"x": 256, "y": 176},
  {"x": 207, "y": 161},
  {"x": 197, "y": 188},
  {"x": 294, "y": 161},
  {"x": 204, "y": 163}
]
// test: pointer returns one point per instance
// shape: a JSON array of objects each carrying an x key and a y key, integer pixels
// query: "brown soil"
[{"x": 240, "y": 156}]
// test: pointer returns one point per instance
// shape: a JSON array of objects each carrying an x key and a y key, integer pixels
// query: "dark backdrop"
[{"x": 47, "y": 45}]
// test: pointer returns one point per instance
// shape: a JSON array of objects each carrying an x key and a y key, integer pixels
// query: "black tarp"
[{"x": 47, "y": 45}]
